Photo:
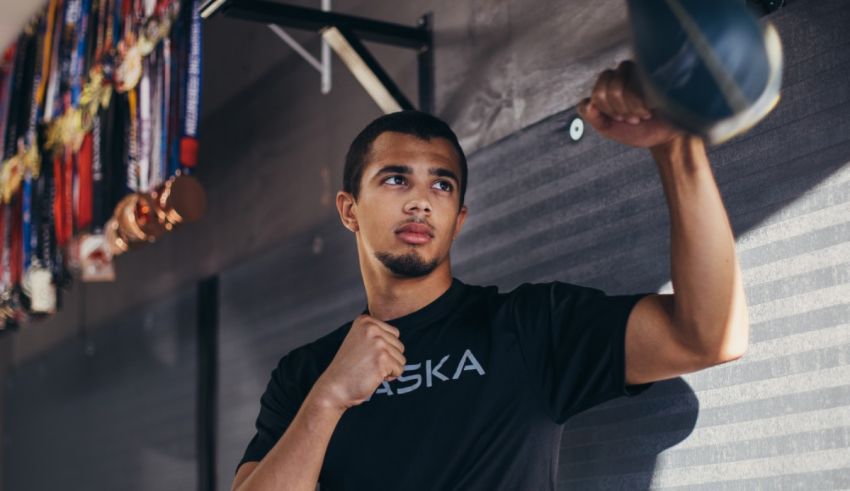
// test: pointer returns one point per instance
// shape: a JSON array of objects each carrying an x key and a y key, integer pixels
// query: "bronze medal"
[
  {"x": 180, "y": 199},
  {"x": 125, "y": 214},
  {"x": 147, "y": 218},
  {"x": 115, "y": 242}
]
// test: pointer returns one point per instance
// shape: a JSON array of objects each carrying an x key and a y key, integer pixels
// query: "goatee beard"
[{"x": 409, "y": 265}]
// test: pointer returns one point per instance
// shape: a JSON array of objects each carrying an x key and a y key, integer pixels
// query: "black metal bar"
[
  {"x": 376, "y": 68},
  {"x": 316, "y": 20},
  {"x": 206, "y": 401},
  {"x": 425, "y": 60}
]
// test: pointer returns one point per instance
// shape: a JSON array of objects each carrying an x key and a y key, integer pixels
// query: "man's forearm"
[
  {"x": 293, "y": 464},
  {"x": 710, "y": 305}
]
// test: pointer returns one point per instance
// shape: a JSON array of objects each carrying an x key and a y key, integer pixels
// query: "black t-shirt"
[{"x": 489, "y": 381}]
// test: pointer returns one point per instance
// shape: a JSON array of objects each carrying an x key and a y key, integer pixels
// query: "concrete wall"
[{"x": 541, "y": 207}]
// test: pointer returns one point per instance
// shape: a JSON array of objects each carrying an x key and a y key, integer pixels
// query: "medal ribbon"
[{"x": 189, "y": 138}]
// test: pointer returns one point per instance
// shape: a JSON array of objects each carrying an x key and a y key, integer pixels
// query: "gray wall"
[
  {"x": 112, "y": 410},
  {"x": 541, "y": 207}
]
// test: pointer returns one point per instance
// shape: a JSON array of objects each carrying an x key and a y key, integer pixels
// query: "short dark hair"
[{"x": 410, "y": 122}]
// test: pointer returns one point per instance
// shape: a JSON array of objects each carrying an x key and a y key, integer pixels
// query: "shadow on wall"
[{"x": 649, "y": 425}]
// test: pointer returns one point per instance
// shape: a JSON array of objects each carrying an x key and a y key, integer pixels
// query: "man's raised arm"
[{"x": 705, "y": 321}]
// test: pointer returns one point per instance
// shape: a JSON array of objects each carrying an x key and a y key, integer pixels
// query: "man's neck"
[{"x": 389, "y": 297}]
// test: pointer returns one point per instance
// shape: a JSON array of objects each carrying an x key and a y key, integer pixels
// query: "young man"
[{"x": 441, "y": 385}]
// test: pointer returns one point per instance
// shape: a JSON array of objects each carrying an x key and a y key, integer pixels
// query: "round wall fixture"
[{"x": 576, "y": 129}]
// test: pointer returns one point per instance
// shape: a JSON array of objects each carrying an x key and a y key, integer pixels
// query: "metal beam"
[
  {"x": 367, "y": 70},
  {"x": 316, "y": 20}
]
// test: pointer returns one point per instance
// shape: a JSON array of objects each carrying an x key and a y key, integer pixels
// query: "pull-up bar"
[{"x": 344, "y": 34}]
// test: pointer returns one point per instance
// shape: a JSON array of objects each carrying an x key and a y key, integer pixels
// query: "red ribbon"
[{"x": 84, "y": 198}]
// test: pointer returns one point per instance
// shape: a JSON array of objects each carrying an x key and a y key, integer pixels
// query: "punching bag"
[{"x": 710, "y": 67}]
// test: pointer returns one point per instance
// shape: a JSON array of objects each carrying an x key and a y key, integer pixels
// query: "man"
[{"x": 441, "y": 385}]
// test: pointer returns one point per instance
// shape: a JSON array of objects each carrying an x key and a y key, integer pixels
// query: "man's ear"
[
  {"x": 346, "y": 205},
  {"x": 461, "y": 218}
]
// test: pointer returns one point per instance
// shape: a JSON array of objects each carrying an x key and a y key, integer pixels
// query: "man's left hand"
[{"x": 618, "y": 110}]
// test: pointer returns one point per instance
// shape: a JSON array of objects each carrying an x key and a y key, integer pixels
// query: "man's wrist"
[
  {"x": 683, "y": 148},
  {"x": 676, "y": 143},
  {"x": 323, "y": 399}
]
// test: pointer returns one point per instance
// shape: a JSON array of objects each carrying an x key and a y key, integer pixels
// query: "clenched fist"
[
  {"x": 618, "y": 109},
  {"x": 370, "y": 354}
]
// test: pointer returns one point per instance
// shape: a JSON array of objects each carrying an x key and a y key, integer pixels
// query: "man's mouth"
[{"x": 414, "y": 233}]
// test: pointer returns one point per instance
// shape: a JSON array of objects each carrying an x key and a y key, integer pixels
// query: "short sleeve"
[
  {"x": 278, "y": 406},
  {"x": 572, "y": 339}
]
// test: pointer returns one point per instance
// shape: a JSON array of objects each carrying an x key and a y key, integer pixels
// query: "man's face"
[{"x": 406, "y": 215}]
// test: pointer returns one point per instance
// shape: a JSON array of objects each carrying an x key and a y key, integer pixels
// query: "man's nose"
[{"x": 418, "y": 204}]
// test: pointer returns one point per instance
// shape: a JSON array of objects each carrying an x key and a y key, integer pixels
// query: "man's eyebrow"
[
  {"x": 395, "y": 169},
  {"x": 406, "y": 169},
  {"x": 443, "y": 172}
]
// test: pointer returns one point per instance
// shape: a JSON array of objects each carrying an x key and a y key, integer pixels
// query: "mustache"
[{"x": 420, "y": 221}]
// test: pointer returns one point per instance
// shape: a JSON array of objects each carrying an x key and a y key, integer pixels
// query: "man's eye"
[
  {"x": 444, "y": 185},
  {"x": 399, "y": 178}
]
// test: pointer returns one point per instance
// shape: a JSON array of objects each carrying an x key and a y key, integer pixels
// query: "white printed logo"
[{"x": 467, "y": 362}]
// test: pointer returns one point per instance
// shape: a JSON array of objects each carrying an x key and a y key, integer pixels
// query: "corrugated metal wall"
[
  {"x": 115, "y": 411},
  {"x": 593, "y": 213}
]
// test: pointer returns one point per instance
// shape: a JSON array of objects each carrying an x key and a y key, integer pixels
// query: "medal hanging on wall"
[
  {"x": 36, "y": 281},
  {"x": 189, "y": 140},
  {"x": 80, "y": 52},
  {"x": 14, "y": 115}
]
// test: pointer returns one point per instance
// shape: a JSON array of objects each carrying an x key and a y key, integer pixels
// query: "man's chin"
[{"x": 409, "y": 264}]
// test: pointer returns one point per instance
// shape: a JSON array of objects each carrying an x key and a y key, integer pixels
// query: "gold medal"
[
  {"x": 32, "y": 161},
  {"x": 71, "y": 131},
  {"x": 149, "y": 36},
  {"x": 95, "y": 94},
  {"x": 156, "y": 29},
  {"x": 129, "y": 71},
  {"x": 146, "y": 45},
  {"x": 7, "y": 311},
  {"x": 12, "y": 172},
  {"x": 12, "y": 175}
]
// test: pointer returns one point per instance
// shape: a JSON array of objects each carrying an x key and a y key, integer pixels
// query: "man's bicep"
[{"x": 654, "y": 349}]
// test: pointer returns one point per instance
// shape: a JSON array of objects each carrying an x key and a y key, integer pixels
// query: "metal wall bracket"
[
  {"x": 323, "y": 65},
  {"x": 344, "y": 34}
]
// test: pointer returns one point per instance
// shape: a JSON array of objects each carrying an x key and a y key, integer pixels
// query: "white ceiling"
[{"x": 14, "y": 15}]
